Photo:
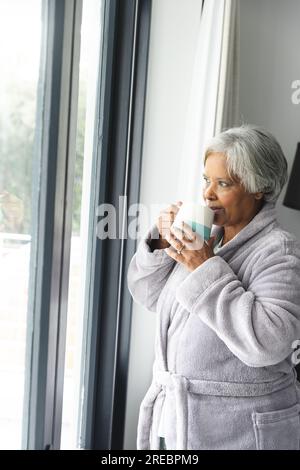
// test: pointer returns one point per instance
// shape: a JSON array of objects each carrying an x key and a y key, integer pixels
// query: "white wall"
[
  {"x": 172, "y": 46},
  {"x": 270, "y": 62}
]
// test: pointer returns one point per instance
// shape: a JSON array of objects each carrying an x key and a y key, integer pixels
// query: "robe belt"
[{"x": 181, "y": 385}]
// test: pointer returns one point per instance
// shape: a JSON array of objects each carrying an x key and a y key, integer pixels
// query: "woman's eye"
[{"x": 223, "y": 184}]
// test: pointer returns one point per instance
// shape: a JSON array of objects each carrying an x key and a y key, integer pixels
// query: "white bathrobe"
[{"x": 224, "y": 341}]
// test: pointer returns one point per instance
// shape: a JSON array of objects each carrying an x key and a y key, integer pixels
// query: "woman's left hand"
[{"x": 188, "y": 248}]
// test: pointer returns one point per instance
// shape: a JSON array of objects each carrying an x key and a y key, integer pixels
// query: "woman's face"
[{"x": 236, "y": 207}]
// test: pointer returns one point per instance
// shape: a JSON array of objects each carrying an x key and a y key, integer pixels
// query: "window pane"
[
  {"x": 20, "y": 39},
  {"x": 91, "y": 33}
]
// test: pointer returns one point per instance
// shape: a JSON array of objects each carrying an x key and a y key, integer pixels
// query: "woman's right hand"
[{"x": 164, "y": 222}]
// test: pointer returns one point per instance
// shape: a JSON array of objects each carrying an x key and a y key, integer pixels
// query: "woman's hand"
[
  {"x": 188, "y": 248},
  {"x": 165, "y": 220}
]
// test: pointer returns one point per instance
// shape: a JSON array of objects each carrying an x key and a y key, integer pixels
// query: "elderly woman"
[{"x": 227, "y": 313}]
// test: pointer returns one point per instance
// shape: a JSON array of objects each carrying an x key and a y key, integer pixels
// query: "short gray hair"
[{"x": 254, "y": 157}]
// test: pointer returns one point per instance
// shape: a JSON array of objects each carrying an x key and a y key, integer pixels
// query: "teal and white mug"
[{"x": 199, "y": 217}]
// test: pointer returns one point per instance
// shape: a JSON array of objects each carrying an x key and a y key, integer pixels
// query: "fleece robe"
[{"x": 225, "y": 339}]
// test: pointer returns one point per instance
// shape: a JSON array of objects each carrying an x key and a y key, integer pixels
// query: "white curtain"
[{"x": 213, "y": 103}]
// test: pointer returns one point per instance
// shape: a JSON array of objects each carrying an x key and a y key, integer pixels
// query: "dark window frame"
[
  {"x": 52, "y": 223},
  {"x": 121, "y": 105},
  {"x": 117, "y": 168}
]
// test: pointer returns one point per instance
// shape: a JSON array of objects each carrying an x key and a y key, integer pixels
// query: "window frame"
[
  {"x": 117, "y": 171},
  {"x": 117, "y": 168},
  {"x": 52, "y": 223}
]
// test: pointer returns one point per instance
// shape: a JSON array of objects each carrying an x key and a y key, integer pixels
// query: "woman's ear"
[{"x": 258, "y": 196}]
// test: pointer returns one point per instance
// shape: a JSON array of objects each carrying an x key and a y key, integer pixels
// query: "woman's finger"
[
  {"x": 189, "y": 232},
  {"x": 210, "y": 242},
  {"x": 178, "y": 233},
  {"x": 172, "y": 253},
  {"x": 176, "y": 244}
]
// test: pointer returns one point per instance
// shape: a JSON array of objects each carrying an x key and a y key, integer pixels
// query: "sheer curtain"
[{"x": 213, "y": 103}]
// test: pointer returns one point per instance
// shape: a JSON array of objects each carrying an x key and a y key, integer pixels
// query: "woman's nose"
[{"x": 209, "y": 192}]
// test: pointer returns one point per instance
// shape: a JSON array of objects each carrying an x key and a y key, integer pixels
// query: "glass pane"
[
  {"x": 20, "y": 39},
  {"x": 91, "y": 33}
]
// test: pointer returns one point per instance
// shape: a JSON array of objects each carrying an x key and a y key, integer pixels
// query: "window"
[
  {"x": 90, "y": 56},
  {"x": 71, "y": 123},
  {"x": 19, "y": 64}
]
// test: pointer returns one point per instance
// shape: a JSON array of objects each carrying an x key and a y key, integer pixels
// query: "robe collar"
[{"x": 266, "y": 218}]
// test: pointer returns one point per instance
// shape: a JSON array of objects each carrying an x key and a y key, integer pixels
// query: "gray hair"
[{"x": 254, "y": 158}]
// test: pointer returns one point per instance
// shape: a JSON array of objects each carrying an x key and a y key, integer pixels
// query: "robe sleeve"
[
  {"x": 148, "y": 272},
  {"x": 258, "y": 324}
]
